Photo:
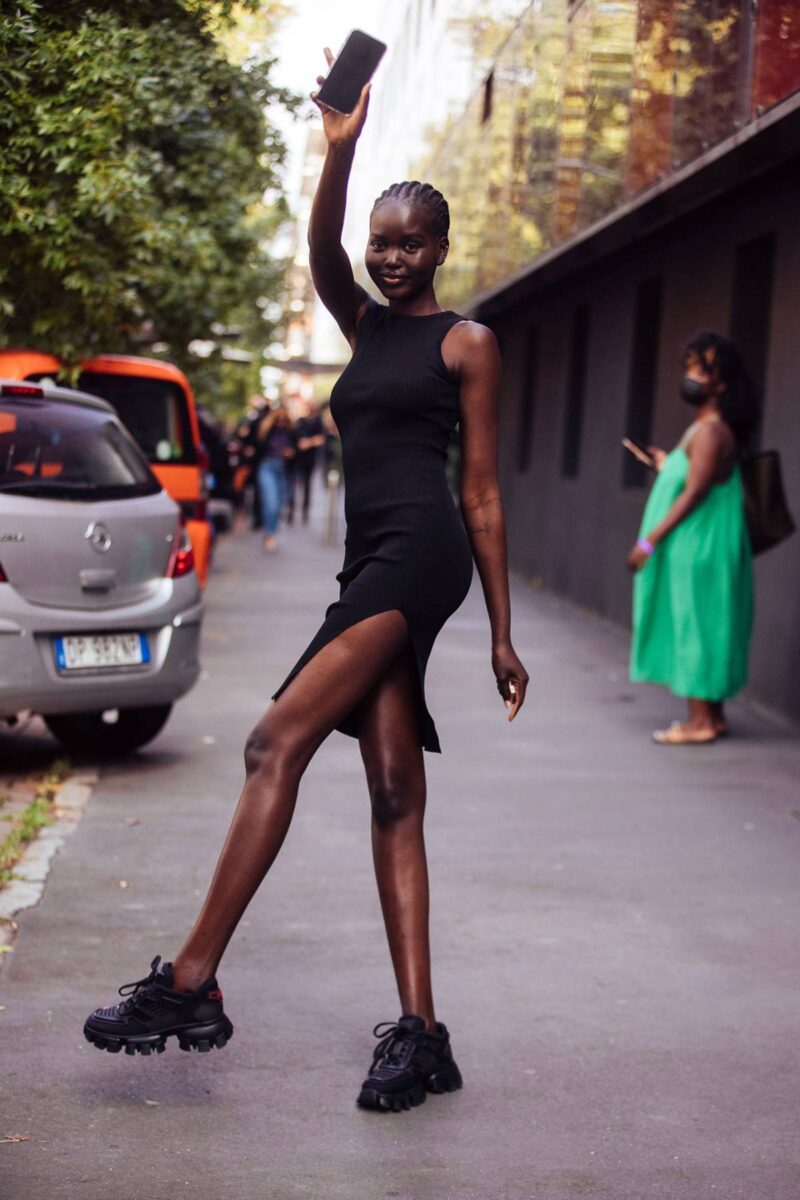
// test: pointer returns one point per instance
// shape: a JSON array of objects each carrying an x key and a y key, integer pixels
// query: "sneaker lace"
[
  {"x": 394, "y": 1047},
  {"x": 138, "y": 989}
]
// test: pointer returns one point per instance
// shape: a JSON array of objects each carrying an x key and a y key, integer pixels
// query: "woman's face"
[
  {"x": 693, "y": 368},
  {"x": 699, "y": 382},
  {"x": 402, "y": 251}
]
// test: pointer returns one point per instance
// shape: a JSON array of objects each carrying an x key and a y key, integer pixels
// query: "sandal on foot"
[
  {"x": 679, "y": 735},
  {"x": 153, "y": 1011}
]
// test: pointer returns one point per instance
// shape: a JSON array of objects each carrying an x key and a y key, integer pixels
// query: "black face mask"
[{"x": 693, "y": 391}]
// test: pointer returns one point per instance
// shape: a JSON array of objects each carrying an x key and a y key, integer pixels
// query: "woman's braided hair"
[{"x": 421, "y": 195}]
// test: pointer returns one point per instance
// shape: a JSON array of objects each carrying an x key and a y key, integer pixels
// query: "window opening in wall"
[
  {"x": 642, "y": 378},
  {"x": 751, "y": 305},
  {"x": 576, "y": 393},
  {"x": 488, "y": 91},
  {"x": 527, "y": 399}
]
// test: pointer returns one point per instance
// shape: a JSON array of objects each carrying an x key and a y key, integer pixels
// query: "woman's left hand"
[
  {"x": 511, "y": 676},
  {"x": 637, "y": 558}
]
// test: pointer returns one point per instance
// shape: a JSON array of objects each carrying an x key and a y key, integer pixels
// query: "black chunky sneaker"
[
  {"x": 154, "y": 1011},
  {"x": 408, "y": 1063}
]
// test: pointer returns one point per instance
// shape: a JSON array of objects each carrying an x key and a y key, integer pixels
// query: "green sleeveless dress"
[{"x": 693, "y": 598}]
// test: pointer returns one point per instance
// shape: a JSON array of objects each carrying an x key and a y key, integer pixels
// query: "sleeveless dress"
[
  {"x": 406, "y": 547},
  {"x": 693, "y": 598}
]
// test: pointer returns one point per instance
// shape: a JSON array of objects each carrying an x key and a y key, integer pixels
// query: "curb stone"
[{"x": 30, "y": 872}]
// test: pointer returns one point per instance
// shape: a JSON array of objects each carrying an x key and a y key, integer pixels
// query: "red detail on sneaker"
[{"x": 215, "y": 995}]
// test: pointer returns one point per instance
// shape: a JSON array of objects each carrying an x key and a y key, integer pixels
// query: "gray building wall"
[{"x": 573, "y": 533}]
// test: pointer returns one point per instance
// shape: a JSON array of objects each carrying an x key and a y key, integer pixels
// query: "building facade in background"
[{"x": 620, "y": 174}]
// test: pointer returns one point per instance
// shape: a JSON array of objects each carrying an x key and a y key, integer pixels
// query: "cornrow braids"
[{"x": 422, "y": 195}]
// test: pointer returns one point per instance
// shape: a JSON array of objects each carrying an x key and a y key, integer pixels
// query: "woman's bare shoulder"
[{"x": 470, "y": 344}]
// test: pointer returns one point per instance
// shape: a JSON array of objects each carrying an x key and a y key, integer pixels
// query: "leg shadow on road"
[{"x": 172, "y": 1079}]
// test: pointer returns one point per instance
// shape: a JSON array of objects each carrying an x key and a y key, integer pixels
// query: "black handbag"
[{"x": 766, "y": 511}]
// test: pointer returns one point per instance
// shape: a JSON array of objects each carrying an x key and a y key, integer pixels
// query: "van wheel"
[{"x": 113, "y": 731}]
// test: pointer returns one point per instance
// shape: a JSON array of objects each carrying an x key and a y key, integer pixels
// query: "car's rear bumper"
[{"x": 30, "y": 678}]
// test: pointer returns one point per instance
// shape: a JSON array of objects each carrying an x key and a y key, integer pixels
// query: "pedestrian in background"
[
  {"x": 274, "y": 447},
  {"x": 693, "y": 592},
  {"x": 245, "y": 480},
  {"x": 310, "y": 436}
]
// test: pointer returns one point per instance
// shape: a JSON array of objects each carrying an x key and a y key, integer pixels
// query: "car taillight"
[
  {"x": 181, "y": 561},
  {"x": 3, "y": 576},
  {"x": 21, "y": 389},
  {"x": 194, "y": 510}
]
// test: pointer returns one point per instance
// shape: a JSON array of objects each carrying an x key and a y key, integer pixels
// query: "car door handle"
[{"x": 98, "y": 579}]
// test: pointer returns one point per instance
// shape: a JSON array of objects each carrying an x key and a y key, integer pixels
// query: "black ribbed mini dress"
[{"x": 406, "y": 547}]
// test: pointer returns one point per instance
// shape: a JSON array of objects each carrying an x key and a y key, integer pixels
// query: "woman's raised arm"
[{"x": 330, "y": 266}]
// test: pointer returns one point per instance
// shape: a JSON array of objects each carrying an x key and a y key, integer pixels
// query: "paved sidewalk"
[{"x": 614, "y": 926}]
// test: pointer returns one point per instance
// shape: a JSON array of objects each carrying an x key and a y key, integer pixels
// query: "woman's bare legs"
[
  {"x": 701, "y": 716},
  {"x": 718, "y": 715},
  {"x": 277, "y": 752},
  {"x": 390, "y": 747}
]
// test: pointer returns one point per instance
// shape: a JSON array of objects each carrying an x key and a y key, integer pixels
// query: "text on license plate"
[{"x": 101, "y": 650}]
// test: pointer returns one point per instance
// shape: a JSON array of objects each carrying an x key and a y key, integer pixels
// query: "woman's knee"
[
  {"x": 396, "y": 796},
  {"x": 270, "y": 751}
]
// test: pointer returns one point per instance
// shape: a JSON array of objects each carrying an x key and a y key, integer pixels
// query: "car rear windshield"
[
  {"x": 63, "y": 451},
  {"x": 156, "y": 411}
]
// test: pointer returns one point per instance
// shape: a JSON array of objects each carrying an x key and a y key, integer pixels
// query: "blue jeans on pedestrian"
[{"x": 272, "y": 491}]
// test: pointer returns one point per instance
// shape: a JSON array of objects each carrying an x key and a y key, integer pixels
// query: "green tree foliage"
[{"x": 139, "y": 174}]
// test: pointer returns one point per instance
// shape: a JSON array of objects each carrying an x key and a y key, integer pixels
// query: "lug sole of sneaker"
[
  {"x": 447, "y": 1080},
  {"x": 192, "y": 1037},
  {"x": 392, "y": 1102}
]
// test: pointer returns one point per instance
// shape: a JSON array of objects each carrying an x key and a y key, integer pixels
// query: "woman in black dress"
[{"x": 416, "y": 370}]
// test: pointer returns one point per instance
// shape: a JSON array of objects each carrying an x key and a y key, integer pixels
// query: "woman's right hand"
[
  {"x": 341, "y": 129},
  {"x": 657, "y": 456}
]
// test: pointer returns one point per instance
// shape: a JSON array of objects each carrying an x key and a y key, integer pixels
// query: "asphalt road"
[{"x": 614, "y": 930}]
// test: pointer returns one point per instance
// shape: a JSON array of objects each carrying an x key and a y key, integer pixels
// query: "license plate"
[{"x": 101, "y": 650}]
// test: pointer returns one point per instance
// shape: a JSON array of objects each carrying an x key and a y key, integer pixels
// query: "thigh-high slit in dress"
[{"x": 406, "y": 547}]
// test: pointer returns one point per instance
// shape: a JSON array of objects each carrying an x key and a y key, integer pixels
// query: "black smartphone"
[
  {"x": 353, "y": 66},
  {"x": 639, "y": 451}
]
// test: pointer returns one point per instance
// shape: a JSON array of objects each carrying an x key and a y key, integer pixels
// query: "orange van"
[{"x": 155, "y": 400}]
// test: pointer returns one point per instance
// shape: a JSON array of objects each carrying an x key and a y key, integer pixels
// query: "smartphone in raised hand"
[
  {"x": 353, "y": 66},
  {"x": 639, "y": 451}
]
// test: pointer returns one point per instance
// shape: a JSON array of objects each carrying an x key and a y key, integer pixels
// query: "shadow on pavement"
[{"x": 30, "y": 747}]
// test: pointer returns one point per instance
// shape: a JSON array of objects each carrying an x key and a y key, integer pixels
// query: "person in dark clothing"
[
  {"x": 310, "y": 435},
  {"x": 219, "y": 460},
  {"x": 416, "y": 371},
  {"x": 245, "y": 476}
]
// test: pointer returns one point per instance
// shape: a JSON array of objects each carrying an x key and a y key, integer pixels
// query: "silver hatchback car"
[{"x": 100, "y": 608}]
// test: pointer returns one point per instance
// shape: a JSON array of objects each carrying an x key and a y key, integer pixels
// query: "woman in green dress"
[{"x": 693, "y": 592}]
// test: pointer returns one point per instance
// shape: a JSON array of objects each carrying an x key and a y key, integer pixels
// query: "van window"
[
  {"x": 68, "y": 453},
  {"x": 156, "y": 412}
]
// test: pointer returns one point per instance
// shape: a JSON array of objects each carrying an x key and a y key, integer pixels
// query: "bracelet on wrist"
[{"x": 646, "y": 545}]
